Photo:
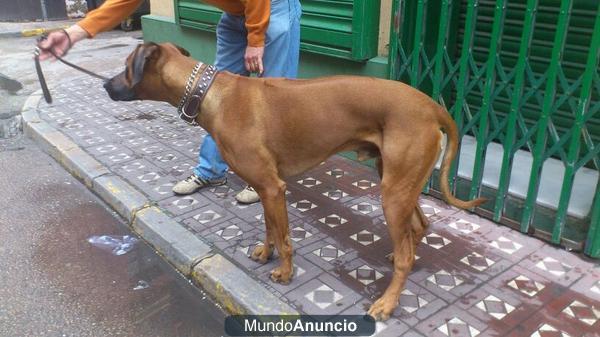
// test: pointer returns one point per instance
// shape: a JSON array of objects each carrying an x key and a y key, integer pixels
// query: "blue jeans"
[{"x": 282, "y": 50}]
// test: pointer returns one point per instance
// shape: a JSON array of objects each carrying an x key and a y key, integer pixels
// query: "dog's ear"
[
  {"x": 182, "y": 50},
  {"x": 142, "y": 54}
]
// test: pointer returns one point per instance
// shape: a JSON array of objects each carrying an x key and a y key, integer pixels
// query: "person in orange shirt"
[{"x": 253, "y": 36}]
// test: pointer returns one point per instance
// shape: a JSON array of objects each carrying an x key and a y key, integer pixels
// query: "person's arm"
[
  {"x": 257, "y": 14},
  {"x": 101, "y": 19}
]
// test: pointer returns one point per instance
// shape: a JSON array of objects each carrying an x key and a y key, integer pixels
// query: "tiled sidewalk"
[{"x": 472, "y": 277}]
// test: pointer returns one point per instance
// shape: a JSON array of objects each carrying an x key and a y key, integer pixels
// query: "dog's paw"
[
  {"x": 390, "y": 257},
  {"x": 261, "y": 254},
  {"x": 280, "y": 275},
  {"x": 382, "y": 309}
]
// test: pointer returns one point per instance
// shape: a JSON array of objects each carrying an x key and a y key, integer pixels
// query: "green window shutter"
[
  {"x": 341, "y": 28},
  {"x": 195, "y": 14}
]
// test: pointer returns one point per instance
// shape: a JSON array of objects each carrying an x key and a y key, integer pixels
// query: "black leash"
[{"x": 38, "y": 66}]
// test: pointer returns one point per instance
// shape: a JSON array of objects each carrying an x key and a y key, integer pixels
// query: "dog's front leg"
[
  {"x": 272, "y": 196},
  {"x": 262, "y": 254}
]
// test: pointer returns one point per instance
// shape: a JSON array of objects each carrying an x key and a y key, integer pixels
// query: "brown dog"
[{"x": 268, "y": 129}]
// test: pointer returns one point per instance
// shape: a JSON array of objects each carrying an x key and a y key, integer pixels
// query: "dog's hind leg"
[
  {"x": 419, "y": 224},
  {"x": 418, "y": 219},
  {"x": 406, "y": 171},
  {"x": 398, "y": 209}
]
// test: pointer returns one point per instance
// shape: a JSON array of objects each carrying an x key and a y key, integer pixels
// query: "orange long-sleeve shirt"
[{"x": 114, "y": 11}]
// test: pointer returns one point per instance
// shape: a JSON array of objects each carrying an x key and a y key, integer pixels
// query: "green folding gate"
[{"x": 521, "y": 80}]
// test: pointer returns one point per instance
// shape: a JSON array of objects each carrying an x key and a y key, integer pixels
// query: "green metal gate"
[{"x": 521, "y": 80}]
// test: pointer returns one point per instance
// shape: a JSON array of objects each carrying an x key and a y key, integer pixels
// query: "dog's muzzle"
[{"x": 118, "y": 90}]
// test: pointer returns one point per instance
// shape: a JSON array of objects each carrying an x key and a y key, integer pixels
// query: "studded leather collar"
[{"x": 189, "y": 107}]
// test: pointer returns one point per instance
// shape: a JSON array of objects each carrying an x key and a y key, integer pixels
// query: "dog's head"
[{"x": 141, "y": 78}]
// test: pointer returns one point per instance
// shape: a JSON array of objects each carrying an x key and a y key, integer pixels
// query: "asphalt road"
[{"x": 52, "y": 281}]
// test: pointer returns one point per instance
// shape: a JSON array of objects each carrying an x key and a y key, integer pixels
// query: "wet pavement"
[
  {"x": 54, "y": 283},
  {"x": 472, "y": 277}
]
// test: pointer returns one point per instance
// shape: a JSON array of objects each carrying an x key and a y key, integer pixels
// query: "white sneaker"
[
  {"x": 247, "y": 196},
  {"x": 193, "y": 183}
]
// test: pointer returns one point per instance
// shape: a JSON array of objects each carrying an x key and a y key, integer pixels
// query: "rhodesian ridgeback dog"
[{"x": 269, "y": 129}]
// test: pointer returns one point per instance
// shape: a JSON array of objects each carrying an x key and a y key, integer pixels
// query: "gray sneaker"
[
  {"x": 193, "y": 183},
  {"x": 247, "y": 196}
]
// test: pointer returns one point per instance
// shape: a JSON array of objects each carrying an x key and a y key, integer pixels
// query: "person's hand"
[
  {"x": 60, "y": 42},
  {"x": 253, "y": 59}
]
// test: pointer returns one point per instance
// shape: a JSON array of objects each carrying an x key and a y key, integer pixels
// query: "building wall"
[
  {"x": 385, "y": 16},
  {"x": 164, "y": 8}
]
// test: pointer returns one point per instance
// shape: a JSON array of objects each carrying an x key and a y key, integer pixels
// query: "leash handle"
[
  {"x": 38, "y": 66},
  {"x": 40, "y": 74}
]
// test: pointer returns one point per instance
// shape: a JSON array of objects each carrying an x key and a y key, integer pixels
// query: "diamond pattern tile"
[
  {"x": 333, "y": 220},
  {"x": 335, "y": 194},
  {"x": 506, "y": 245},
  {"x": 364, "y": 184},
  {"x": 435, "y": 241},
  {"x": 464, "y": 226},
  {"x": 553, "y": 266},
  {"x": 548, "y": 330},
  {"x": 445, "y": 280},
  {"x": 365, "y": 207},
  {"x": 328, "y": 253},
  {"x": 477, "y": 261},
  {"x": 583, "y": 312},
  {"x": 323, "y": 296},
  {"x": 304, "y": 205},
  {"x": 456, "y": 327},
  {"x": 410, "y": 302},
  {"x": 365, "y": 237},
  {"x": 298, "y": 234},
  {"x": 526, "y": 286},
  {"x": 309, "y": 182},
  {"x": 229, "y": 232},
  {"x": 495, "y": 307},
  {"x": 365, "y": 274}
]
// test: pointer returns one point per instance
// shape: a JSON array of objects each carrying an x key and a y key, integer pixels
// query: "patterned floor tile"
[
  {"x": 500, "y": 309},
  {"x": 365, "y": 207},
  {"x": 365, "y": 237},
  {"x": 452, "y": 322},
  {"x": 547, "y": 330},
  {"x": 478, "y": 261},
  {"x": 526, "y": 285},
  {"x": 464, "y": 226},
  {"x": 335, "y": 194},
  {"x": 324, "y": 295},
  {"x": 435, "y": 241},
  {"x": 328, "y": 252},
  {"x": 512, "y": 245},
  {"x": 557, "y": 265},
  {"x": 588, "y": 314},
  {"x": 304, "y": 205},
  {"x": 445, "y": 280},
  {"x": 365, "y": 274},
  {"x": 333, "y": 220}
]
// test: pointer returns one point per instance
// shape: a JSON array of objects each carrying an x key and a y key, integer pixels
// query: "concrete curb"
[{"x": 226, "y": 282}]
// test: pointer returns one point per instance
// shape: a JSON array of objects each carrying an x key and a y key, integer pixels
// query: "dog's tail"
[{"x": 449, "y": 128}]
